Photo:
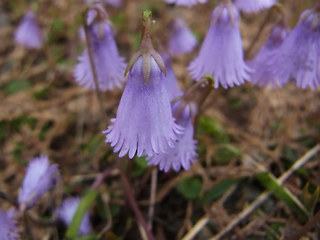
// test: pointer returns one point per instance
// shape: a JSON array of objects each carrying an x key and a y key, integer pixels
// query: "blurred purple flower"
[
  {"x": 8, "y": 225},
  {"x": 171, "y": 82},
  {"x": 40, "y": 177},
  {"x": 28, "y": 33},
  {"x": 183, "y": 153},
  {"x": 298, "y": 56},
  {"x": 262, "y": 73},
  {"x": 114, "y": 3},
  {"x": 221, "y": 53},
  {"x": 187, "y": 3},
  {"x": 181, "y": 38},
  {"x": 108, "y": 64},
  {"x": 66, "y": 212},
  {"x": 253, "y": 6},
  {"x": 144, "y": 123}
]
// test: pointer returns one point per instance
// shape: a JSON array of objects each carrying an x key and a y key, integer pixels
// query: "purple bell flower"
[
  {"x": 298, "y": 56},
  {"x": 28, "y": 33},
  {"x": 66, "y": 212},
  {"x": 221, "y": 53},
  {"x": 144, "y": 124},
  {"x": 40, "y": 177},
  {"x": 8, "y": 225},
  {"x": 114, "y": 3},
  {"x": 151, "y": 128},
  {"x": 184, "y": 151},
  {"x": 108, "y": 64},
  {"x": 187, "y": 3},
  {"x": 181, "y": 38},
  {"x": 253, "y": 6},
  {"x": 171, "y": 81},
  {"x": 263, "y": 75}
]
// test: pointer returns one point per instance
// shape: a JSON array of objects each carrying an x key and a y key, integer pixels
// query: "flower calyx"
[{"x": 146, "y": 50}]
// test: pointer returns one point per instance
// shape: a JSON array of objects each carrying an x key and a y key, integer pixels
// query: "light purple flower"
[
  {"x": 181, "y": 38},
  {"x": 221, "y": 53},
  {"x": 108, "y": 64},
  {"x": 183, "y": 153},
  {"x": 298, "y": 56},
  {"x": 40, "y": 177},
  {"x": 187, "y": 3},
  {"x": 114, "y": 3},
  {"x": 253, "y": 6},
  {"x": 262, "y": 72},
  {"x": 28, "y": 33},
  {"x": 8, "y": 225},
  {"x": 144, "y": 123},
  {"x": 66, "y": 212},
  {"x": 171, "y": 82}
]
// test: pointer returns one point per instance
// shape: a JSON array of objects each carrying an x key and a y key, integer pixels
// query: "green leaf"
[
  {"x": 140, "y": 165},
  {"x": 270, "y": 182},
  {"x": 18, "y": 122},
  {"x": 17, "y": 85},
  {"x": 41, "y": 94},
  {"x": 17, "y": 153},
  {"x": 225, "y": 153},
  {"x": 213, "y": 128},
  {"x": 218, "y": 190},
  {"x": 93, "y": 144},
  {"x": 190, "y": 187},
  {"x": 308, "y": 199},
  {"x": 290, "y": 154},
  {"x": 45, "y": 129},
  {"x": 235, "y": 103},
  {"x": 83, "y": 207}
]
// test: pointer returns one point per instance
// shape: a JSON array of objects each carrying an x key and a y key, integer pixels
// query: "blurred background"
[{"x": 245, "y": 134}]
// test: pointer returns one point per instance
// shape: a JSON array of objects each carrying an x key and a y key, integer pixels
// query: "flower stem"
[
  {"x": 132, "y": 202},
  {"x": 153, "y": 192},
  {"x": 278, "y": 8},
  {"x": 92, "y": 64}
]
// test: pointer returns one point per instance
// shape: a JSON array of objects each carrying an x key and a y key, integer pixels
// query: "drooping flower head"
[
  {"x": 8, "y": 225},
  {"x": 221, "y": 53},
  {"x": 253, "y": 6},
  {"x": 262, "y": 74},
  {"x": 144, "y": 122},
  {"x": 187, "y": 3},
  {"x": 109, "y": 66},
  {"x": 40, "y": 177},
  {"x": 28, "y": 33},
  {"x": 298, "y": 56},
  {"x": 181, "y": 38},
  {"x": 171, "y": 82},
  {"x": 66, "y": 212},
  {"x": 184, "y": 151}
]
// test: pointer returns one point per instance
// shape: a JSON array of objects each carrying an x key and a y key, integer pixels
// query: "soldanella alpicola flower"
[
  {"x": 144, "y": 124},
  {"x": 8, "y": 226},
  {"x": 108, "y": 64},
  {"x": 221, "y": 53},
  {"x": 28, "y": 33},
  {"x": 66, "y": 213},
  {"x": 181, "y": 39},
  {"x": 187, "y": 3},
  {"x": 299, "y": 55},
  {"x": 184, "y": 151},
  {"x": 40, "y": 177},
  {"x": 261, "y": 64},
  {"x": 254, "y": 6},
  {"x": 171, "y": 81}
]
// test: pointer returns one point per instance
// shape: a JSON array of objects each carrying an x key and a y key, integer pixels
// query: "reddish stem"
[{"x": 132, "y": 202}]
